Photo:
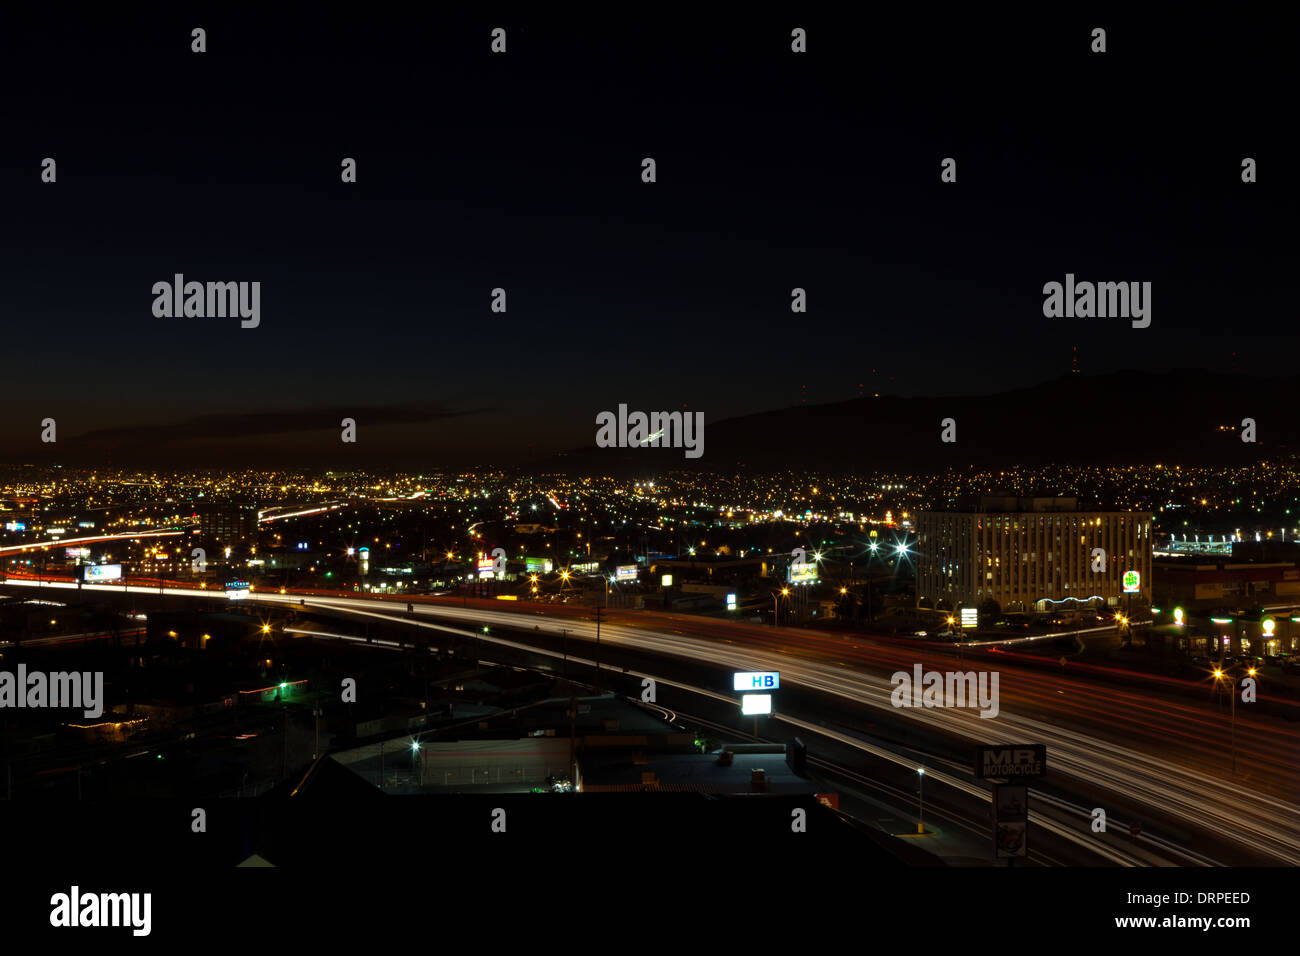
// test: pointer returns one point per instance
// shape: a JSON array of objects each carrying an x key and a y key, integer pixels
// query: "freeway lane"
[
  {"x": 1234, "y": 811},
  {"x": 1065, "y": 823},
  {"x": 1034, "y": 708},
  {"x": 1173, "y": 718}
]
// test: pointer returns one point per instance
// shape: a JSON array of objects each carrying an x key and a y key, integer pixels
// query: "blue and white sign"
[{"x": 756, "y": 680}]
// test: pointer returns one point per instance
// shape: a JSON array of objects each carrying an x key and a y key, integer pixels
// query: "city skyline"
[{"x": 552, "y": 472}]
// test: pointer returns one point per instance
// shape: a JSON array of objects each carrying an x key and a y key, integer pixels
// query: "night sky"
[{"x": 523, "y": 171}]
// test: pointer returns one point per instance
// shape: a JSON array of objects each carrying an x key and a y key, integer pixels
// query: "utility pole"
[
  {"x": 284, "y": 758},
  {"x": 871, "y": 613},
  {"x": 1234, "y": 725},
  {"x": 573, "y": 723},
  {"x": 598, "y": 646}
]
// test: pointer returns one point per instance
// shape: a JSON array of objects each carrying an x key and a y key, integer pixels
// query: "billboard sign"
[
  {"x": 1132, "y": 582},
  {"x": 755, "y": 704},
  {"x": 1011, "y": 760},
  {"x": 802, "y": 571},
  {"x": 970, "y": 617},
  {"x": 625, "y": 572},
  {"x": 756, "y": 680},
  {"x": 98, "y": 573}
]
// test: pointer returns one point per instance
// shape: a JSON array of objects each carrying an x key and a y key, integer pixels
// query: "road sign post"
[{"x": 1010, "y": 800}]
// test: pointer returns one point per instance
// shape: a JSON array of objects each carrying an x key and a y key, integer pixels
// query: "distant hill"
[{"x": 1121, "y": 418}]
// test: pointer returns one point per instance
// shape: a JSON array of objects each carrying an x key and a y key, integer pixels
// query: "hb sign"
[{"x": 755, "y": 680}]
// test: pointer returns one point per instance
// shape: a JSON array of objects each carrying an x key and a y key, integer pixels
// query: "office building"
[{"x": 1032, "y": 554}]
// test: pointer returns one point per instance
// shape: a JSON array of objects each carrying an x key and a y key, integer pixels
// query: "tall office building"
[
  {"x": 1031, "y": 554},
  {"x": 227, "y": 524}
]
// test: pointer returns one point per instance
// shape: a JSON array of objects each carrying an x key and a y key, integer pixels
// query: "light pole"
[
  {"x": 776, "y": 606},
  {"x": 1232, "y": 700},
  {"x": 920, "y": 796}
]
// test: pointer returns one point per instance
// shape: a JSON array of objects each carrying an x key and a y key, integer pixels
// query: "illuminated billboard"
[
  {"x": 96, "y": 573},
  {"x": 77, "y": 552},
  {"x": 538, "y": 565},
  {"x": 1132, "y": 582},
  {"x": 755, "y": 680},
  {"x": 625, "y": 572},
  {"x": 803, "y": 573}
]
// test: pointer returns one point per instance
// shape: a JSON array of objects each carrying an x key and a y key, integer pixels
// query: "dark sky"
[{"x": 522, "y": 171}]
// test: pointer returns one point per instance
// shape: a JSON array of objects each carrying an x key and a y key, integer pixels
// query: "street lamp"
[
  {"x": 776, "y": 606},
  {"x": 920, "y": 796},
  {"x": 1232, "y": 697}
]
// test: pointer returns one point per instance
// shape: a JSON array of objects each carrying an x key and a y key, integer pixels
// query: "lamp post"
[
  {"x": 1232, "y": 699},
  {"x": 920, "y": 796},
  {"x": 776, "y": 606}
]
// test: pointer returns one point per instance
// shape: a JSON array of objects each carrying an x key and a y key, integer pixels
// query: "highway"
[{"x": 1163, "y": 753}]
